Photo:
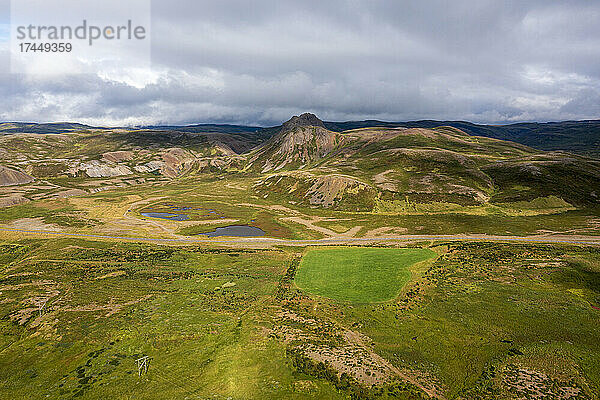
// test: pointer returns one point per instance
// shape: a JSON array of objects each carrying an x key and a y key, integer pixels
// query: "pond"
[
  {"x": 169, "y": 216},
  {"x": 236, "y": 230},
  {"x": 180, "y": 212}
]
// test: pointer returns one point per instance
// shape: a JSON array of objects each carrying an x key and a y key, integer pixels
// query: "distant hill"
[
  {"x": 581, "y": 137},
  {"x": 250, "y": 135},
  {"x": 10, "y": 177},
  {"x": 206, "y": 128},
  {"x": 30, "y": 127},
  {"x": 369, "y": 166}
]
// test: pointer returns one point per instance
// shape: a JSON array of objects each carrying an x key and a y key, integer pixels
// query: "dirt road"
[{"x": 262, "y": 241}]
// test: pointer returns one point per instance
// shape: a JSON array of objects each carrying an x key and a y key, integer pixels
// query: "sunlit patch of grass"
[{"x": 358, "y": 274}]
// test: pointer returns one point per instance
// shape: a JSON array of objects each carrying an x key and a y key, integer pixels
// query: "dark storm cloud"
[{"x": 259, "y": 62}]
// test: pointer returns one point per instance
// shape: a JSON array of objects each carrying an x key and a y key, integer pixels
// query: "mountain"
[
  {"x": 299, "y": 142},
  {"x": 318, "y": 164}
]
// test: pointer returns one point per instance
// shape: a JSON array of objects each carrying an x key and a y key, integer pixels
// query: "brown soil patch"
[
  {"x": 9, "y": 177},
  {"x": 327, "y": 189},
  {"x": 352, "y": 360},
  {"x": 33, "y": 304},
  {"x": 111, "y": 275},
  {"x": 32, "y": 224},
  {"x": 383, "y": 182},
  {"x": 12, "y": 201},
  {"x": 70, "y": 193},
  {"x": 111, "y": 308},
  {"x": 374, "y": 134},
  {"x": 526, "y": 384},
  {"x": 275, "y": 207},
  {"x": 310, "y": 224}
]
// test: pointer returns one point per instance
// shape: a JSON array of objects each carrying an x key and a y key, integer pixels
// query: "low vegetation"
[{"x": 480, "y": 321}]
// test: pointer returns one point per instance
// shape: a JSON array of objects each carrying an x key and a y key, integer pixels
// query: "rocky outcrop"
[
  {"x": 328, "y": 189},
  {"x": 98, "y": 169},
  {"x": 9, "y": 177},
  {"x": 149, "y": 167},
  {"x": 306, "y": 119},
  {"x": 118, "y": 156},
  {"x": 322, "y": 190}
]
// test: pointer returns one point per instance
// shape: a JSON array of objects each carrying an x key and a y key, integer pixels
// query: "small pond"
[
  {"x": 169, "y": 216},
  {"x": 236, "y": 230}
]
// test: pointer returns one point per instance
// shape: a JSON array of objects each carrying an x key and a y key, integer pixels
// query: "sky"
[{"x": 260, "y": 62}]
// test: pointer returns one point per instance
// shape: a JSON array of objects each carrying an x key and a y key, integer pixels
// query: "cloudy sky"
[{"x": 259, "y": 62}]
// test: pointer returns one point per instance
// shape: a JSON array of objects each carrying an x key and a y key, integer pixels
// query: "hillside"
[
  {"x": 391, "y": 168},
  {"x": 582, "y": 137},
  {"x": 10, "y": 177},
  {"x": 123, "y": 151}
]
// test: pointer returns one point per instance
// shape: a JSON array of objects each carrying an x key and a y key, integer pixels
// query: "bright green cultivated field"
[{"x": 358, "y": 274}]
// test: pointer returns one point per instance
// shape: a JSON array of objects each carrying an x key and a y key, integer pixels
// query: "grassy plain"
[
  {"x": 192, "y": 310},
  {"x": 478, "y": 322},
  {"x": 358, "y": 274}
]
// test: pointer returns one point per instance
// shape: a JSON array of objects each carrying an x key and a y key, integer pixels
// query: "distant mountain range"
[
  {"x": 581, "y": 137},
  {"x": 32, "y": 127}
]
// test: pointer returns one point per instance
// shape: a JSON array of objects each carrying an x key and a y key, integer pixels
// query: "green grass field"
[
  {"x": 230, "y": 323},
  {"x": 358, "y": 274}
]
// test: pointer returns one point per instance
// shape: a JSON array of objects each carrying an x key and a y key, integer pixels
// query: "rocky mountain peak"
[
  {"x": 301, "y": 141},
  {"x": 306, "y": 119}
]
